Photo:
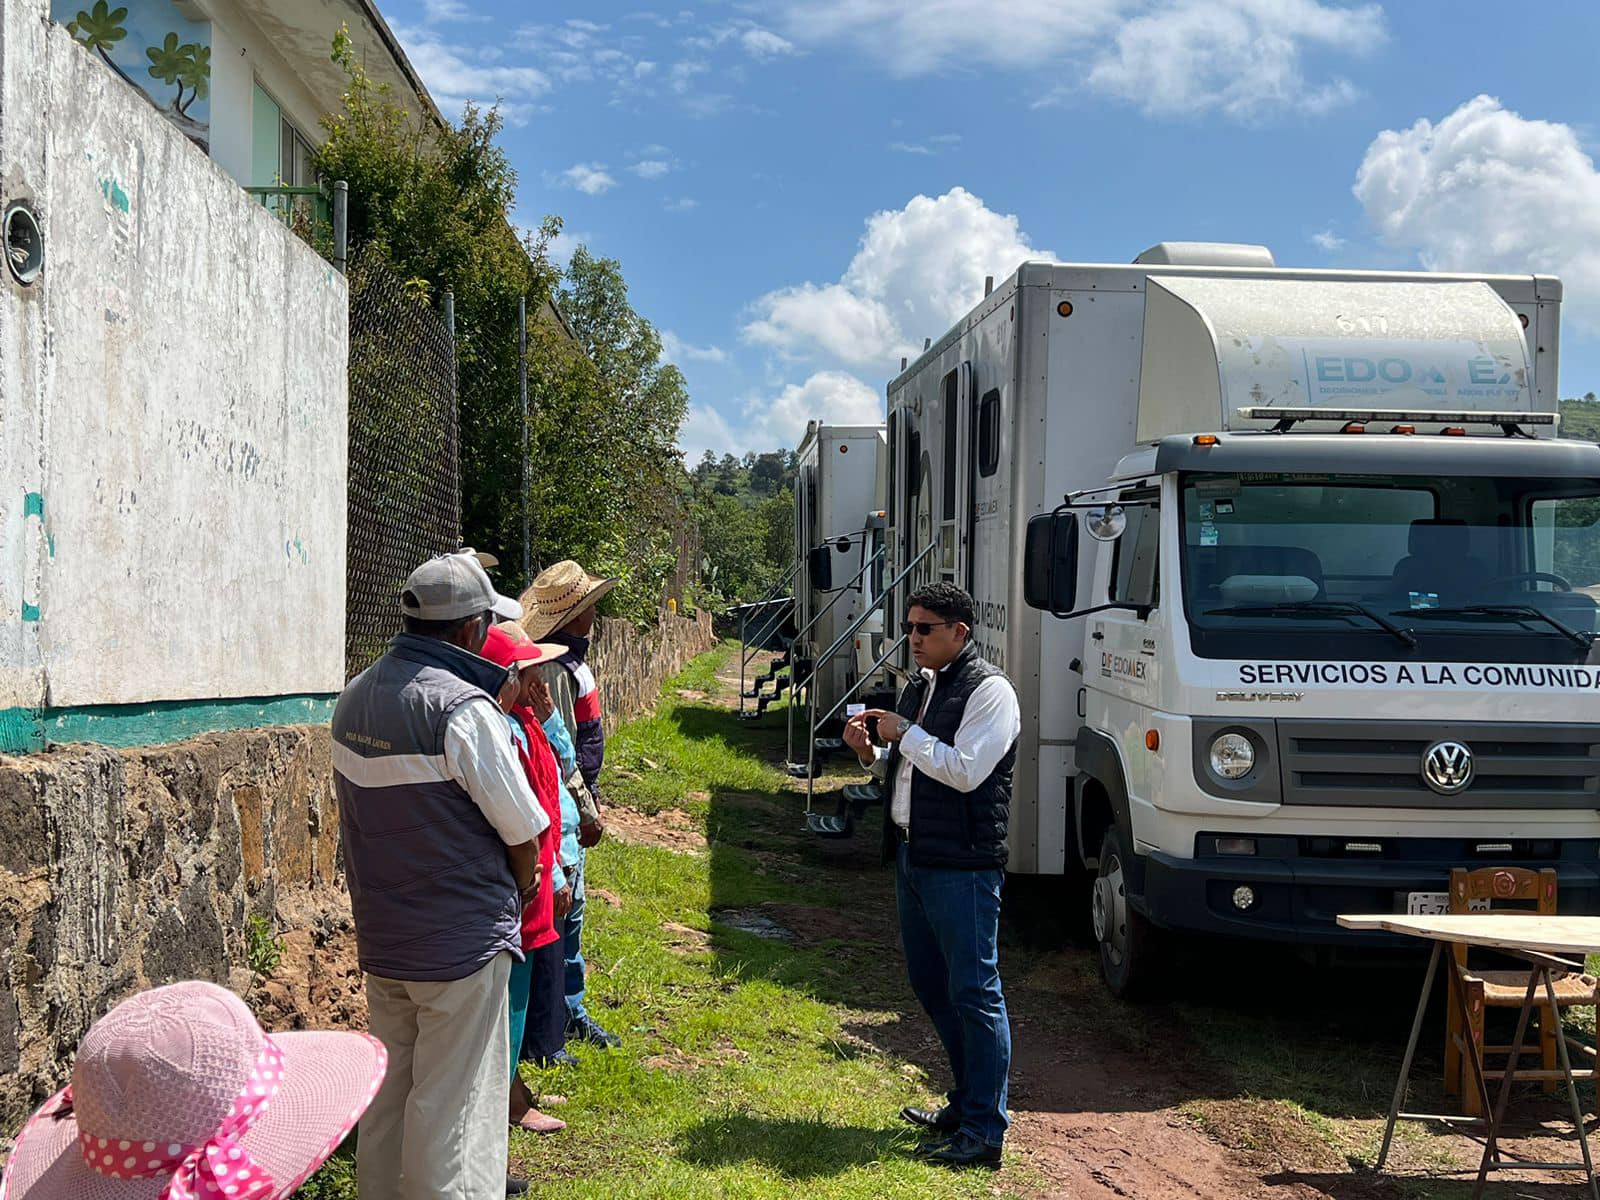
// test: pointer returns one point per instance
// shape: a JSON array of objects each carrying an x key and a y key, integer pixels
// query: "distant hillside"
[{"x": 1581, "y": 418}]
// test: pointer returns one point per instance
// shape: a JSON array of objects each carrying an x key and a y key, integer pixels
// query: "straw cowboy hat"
[
  {"x": 560, "y": 592},
  {"x": 177, "y": 1094}
]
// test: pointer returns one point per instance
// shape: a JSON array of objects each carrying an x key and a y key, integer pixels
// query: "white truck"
[
  {"x": 1295, "y": 580},
  {"x": 839, "y": 530}
]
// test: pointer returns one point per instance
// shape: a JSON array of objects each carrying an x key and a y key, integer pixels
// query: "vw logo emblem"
[{"x": 1447, "y": 767}]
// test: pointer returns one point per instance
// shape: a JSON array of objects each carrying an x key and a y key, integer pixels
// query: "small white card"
[{"x": 854, "y": 710}]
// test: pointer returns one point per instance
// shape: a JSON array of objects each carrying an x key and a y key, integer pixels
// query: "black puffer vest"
[{"x": 957, "y": 830}]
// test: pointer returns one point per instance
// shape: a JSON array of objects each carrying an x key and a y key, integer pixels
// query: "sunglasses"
[{"x": 924, "y": 628}]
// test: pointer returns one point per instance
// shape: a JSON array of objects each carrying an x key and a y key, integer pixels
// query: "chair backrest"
[{"x": 1503, "y": 885}]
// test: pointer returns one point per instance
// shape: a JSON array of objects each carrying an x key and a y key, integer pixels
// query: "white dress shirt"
[
  {"x": 990, "y": 725},
  {"x": 480, "y": 756}
]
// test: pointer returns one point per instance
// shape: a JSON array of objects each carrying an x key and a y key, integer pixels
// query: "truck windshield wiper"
[
  {"x": 1315, "y": 608},
  {"x": 1510, "y": 612}
]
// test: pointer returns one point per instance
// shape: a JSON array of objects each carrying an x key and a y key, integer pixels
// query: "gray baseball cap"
[{"x": 453, "y": 586}]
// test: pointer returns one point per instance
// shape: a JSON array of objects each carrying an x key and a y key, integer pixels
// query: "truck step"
[
  {"x": 829, "y": 745},
  {"x": 801, "y": 770},
  {"x": 863, "y": 795},
  {"x": 826, "y": 825}
]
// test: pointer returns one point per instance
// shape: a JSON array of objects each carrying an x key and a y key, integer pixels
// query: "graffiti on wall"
[{"x": 156, "y": 49}]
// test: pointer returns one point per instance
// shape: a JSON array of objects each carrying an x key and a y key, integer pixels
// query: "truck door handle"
[{"x": 1098, "y": 636}]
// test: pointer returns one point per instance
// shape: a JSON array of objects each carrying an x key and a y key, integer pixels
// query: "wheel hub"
[{"x": 1111, "y": 910}]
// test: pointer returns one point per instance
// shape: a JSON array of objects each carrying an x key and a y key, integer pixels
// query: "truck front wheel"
[{"x": 1128, "y": 943}]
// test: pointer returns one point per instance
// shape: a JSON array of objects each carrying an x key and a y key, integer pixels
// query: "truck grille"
[{"x": 1379, "y": 764}]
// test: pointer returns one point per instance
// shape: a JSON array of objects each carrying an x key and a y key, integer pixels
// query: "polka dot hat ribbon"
[{"x": 217, "y": 1169}]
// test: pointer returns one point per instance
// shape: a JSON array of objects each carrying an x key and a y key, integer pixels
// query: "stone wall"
[
  {"x": 631, "y": 664},
  {"x": 124, "y": 869}
]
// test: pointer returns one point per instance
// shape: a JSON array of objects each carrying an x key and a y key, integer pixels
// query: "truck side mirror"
[
  {"x": 820, "y": 567},
  {"x": 1050, "y": 562}
]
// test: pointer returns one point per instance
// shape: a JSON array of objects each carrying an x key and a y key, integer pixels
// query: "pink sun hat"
[{"x": 178, "y": 1094}]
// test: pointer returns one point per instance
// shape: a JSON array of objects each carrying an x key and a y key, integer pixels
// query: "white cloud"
[
  {"x": 764, "y": 44},
  {"x": 441, "y": 11},
  {"x": 769, "y": 422},
  {"x": 675, "y": 349},
  {"x": 682, "y": 204},
  {"x": 456, "y": 75},
  {"x": 651, "y": 168},
  {"x": 683, "y": 74},
  {"x": 564, "y": 243},
  {"x": 934, "y": 145},
  {"x": 589, "y": 178},
  {"x": 1488, "y": 190},
  {"x": 705, "y": 429},
  {"x": 916, "y": 270},
  {"x": 1328, "y": 240},
  {"x": 1242, "y": 57}
]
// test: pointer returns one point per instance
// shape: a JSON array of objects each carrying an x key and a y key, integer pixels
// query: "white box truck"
[
  {"x": 1295, "y": 580},
  {"x": 839, "y": 531}
]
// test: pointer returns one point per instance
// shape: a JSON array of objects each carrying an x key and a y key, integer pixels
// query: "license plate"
[{"x": 1426, "y": 904}]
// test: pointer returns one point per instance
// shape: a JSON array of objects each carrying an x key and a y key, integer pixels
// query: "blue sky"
[{"x": 801, "y": 190}]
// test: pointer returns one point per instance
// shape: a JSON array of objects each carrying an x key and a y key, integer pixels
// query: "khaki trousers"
[{"x": 437, "y": 1129}]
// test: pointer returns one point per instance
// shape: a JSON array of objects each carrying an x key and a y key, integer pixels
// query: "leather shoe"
[
  {"x": 942, "y": 1119},
  {"x": 516, "y": 1187},
  {"x": 561, "y": 1058},
  {"x": 931, "y": 1144},
  {"x": 964, "y": 1151}
]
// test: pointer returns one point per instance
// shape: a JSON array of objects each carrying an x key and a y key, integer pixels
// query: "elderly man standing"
[
  {"x": 440, "y": 835},
  {"x": 952, "y": 742}
]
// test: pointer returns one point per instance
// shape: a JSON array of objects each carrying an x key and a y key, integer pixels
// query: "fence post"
[
  {"x": 341, "y": 225},
  {"x": 454, "y": 423},
  {"x": 527, "y": 483}
]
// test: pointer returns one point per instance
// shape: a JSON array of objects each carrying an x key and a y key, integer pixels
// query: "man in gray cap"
[{"x": 440, "y": 835}]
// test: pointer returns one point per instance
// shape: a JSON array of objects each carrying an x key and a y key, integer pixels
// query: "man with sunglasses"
[{"x": 949, "y": 749}]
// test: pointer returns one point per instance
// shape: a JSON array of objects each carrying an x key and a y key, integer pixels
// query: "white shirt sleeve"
[
  {"x": 878, "y": 768},
  {"x": 990, "y": 724},
  {"x": 478, "y": 755}
]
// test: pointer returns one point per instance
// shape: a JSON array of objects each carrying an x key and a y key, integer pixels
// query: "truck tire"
[{"x": 1129, "y": 945}]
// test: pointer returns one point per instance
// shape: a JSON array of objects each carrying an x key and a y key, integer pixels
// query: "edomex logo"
[{"x": 1339, "y": 368}]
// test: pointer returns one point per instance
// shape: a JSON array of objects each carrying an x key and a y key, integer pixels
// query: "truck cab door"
[{"x": 1122, "y": 650}]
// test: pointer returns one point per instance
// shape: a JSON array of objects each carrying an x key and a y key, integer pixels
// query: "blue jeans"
[
  {"x": 572, "y": 946},
  {"x": 950, "y": 928}
]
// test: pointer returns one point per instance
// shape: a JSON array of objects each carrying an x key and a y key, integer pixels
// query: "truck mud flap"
[{"x": 1096, "y": 757}]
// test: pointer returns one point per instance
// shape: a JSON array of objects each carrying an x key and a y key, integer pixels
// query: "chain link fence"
[{"x": 405, "y": 450}]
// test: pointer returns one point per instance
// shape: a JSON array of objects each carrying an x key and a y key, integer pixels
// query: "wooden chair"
[{"x": 1486, "y": 989}]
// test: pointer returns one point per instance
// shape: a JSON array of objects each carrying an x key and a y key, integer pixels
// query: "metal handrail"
[
  {"x": 799, "y": 640},
  {"x": 867, "y": 612},
  {"x": 858, "y": 684},
  {"x": 811, "y": 709},
  {"x": 838, "y": 593},
  {"x": 843, "y": 700},
  {"x": 744, "y": 641}
]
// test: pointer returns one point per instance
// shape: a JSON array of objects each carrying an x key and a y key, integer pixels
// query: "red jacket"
[{"x": 544, "y": 776}]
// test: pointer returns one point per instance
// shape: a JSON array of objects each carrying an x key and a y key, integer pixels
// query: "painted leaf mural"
[{"x": 155, "y": 48}]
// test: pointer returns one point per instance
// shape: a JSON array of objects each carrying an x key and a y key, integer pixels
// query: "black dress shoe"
[
  {"x": 560, "y": 1058},
  {"x": 942, "y": 1119},
  {"x": 932, "y": 1143},
  {"x": 516, "y": 1187},
  {"x": 963, "y": 1151}
]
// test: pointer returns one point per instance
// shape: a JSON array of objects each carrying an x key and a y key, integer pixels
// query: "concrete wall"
[
  {"x": 126, "y": 869},
  {"x": 173, "y": 427}
]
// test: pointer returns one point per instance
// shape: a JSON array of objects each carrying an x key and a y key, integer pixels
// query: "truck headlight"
[{"x": 1232, "y": 756}]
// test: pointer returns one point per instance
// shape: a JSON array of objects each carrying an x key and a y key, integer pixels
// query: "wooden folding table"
[{"x": 1535, "y": 939}]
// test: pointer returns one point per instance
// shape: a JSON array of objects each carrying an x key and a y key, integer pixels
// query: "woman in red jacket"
[{"x": 508, "y": 646}]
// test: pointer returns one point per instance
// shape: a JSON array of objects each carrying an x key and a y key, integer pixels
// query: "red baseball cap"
[{"x": 502, "y": 648}]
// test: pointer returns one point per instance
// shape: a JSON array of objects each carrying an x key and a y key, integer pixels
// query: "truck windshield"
[{"x": 1464, "y": 569}]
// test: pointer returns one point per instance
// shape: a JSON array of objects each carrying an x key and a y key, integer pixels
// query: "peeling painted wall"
[{"x": 173, "y": 425}]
